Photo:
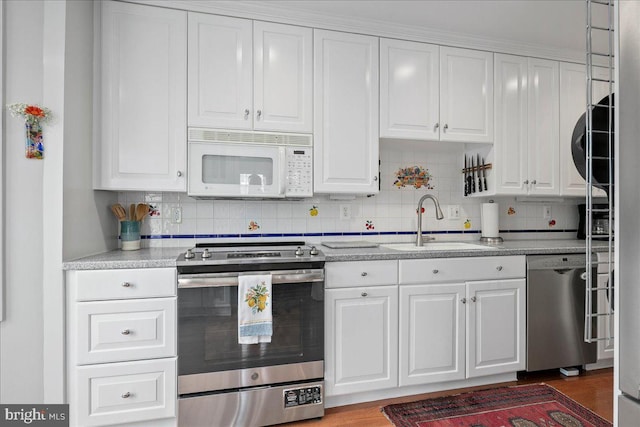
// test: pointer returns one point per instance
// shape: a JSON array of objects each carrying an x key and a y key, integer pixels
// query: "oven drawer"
[
  {"x": 118, "y": 393},
  {"x": 91, "y": 285},
  {"x": 115, "y": 331},
  {"x": 361, "y": 273}
]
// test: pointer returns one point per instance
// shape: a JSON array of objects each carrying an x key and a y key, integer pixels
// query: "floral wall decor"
[
  {"x": 415, "y": 176},
  {"x": 34, "y": 116}
]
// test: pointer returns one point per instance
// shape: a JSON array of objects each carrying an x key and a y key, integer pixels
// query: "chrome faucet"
[{"x": 439, "y": 215}]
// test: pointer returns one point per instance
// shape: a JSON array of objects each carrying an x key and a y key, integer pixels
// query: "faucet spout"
[{"x": 439, "y": 215}]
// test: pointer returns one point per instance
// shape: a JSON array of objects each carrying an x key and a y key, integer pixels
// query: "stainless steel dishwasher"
[{"x": 555, "y": 312}]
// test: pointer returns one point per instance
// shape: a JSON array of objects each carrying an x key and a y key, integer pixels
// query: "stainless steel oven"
[{"x": 224, "y": 383}]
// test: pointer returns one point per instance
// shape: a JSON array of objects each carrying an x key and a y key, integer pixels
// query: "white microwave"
[{"x": 248, "y": 165}]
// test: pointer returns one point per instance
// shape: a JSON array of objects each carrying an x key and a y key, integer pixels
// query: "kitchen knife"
[
  {"x": 472, "y": 179},
  {"x": 466, "y": 187},
  {"x": 468, "y": 175},
  {"x": 484, "y": 175},
  {"x": 479, "y": 176}
]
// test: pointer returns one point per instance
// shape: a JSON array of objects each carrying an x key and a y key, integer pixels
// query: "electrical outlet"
[
  {"x": 546, "y": 212},
  {"x": 345, "y": 211},
  {"x": 176, "y": 215},
  {"x": 454, "y": 212}
]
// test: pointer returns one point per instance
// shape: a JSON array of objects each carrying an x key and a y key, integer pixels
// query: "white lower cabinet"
[
  {"x": 432, "y": 321},
  {"x": 122, "y": 347},
  {"x": 361, "y": 340},
  {"x": 444, "y": 325}
]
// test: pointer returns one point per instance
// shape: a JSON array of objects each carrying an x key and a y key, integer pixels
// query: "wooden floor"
[{"x": 592, "y": 389}]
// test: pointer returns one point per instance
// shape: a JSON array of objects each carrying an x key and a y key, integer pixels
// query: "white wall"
[{"x": 51, "y": 212}]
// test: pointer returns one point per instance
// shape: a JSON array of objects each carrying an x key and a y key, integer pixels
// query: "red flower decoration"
[{"x": 35, "y": 111}]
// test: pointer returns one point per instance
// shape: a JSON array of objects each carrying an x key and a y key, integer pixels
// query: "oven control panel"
[{"x": 302, "y": 396}]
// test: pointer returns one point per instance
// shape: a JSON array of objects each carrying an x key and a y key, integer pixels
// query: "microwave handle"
[{"x": 283, "y": 172}]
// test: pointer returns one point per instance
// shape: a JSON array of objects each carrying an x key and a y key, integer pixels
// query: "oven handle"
[{"x": 213, "y": 280}]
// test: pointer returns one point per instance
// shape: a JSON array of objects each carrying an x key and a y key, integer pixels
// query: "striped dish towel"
[{"x": 255, "y": 322}]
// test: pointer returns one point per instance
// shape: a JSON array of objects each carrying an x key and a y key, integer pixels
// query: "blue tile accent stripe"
[{"x": 337, "y": 234}]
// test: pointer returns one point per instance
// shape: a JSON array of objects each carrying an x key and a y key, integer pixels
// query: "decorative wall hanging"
[
  {"x": 416, "y": 176},
  {"x": 34, "y": 116}
]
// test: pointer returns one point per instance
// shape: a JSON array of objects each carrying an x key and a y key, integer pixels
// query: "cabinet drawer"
[
  {"x": 89, "y": 285},
  {"x": 442, "y": 270},
  {"x": 361, "y": 273},
  {"x": 118, "y": 393},
  {"x": 116, "y": 331}
]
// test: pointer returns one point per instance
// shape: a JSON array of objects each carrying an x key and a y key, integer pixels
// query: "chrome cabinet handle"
[
  {"x": 499, "y": 268},
  {"x": 473, "y": 299},
  {"x": 259, "y": 113},
  {"x": 533, "y": 182},
  {"x": 375, "y": 178},
  {"x": 364, "y": 294},
  {"x": 436, "y": 126},
  {"x": 179, "y": 173},
  {"x": 126, "y": 332},
  {"x": 126, "y": 284},
  {"x": 464, "y": 300},
  {"x": 126, "y": 395},
  {"x": 435, "y": 271},
  {"x": 525, "y": 182},
  {"x": 446, "y": 126},
  {"x": 364, "y": 273},
  {"x": 246, "y": 114}
]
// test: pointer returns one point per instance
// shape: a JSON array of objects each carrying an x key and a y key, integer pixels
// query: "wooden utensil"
[
  {"x": 142, "y": 210},
  {"x": 132, "y": 212},
  {"x": 119, "y": 212}
]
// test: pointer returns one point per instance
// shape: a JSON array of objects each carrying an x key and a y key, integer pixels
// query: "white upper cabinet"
[
  {"x": 544, "y": 127},
  {"x": 510, "y": 148},
  {"x": 466, "y": 95},
  {"x": 435, "y": 92},
  {"x": 220, "y": 72},
  {"x": 143, "y": 97},
  {"x": 249, "y": 75},
  {"x": 526, "y": 159},
  {"x": 283, "y": 77},
  {"x": 409, "y": 90},
  {"x": 573, "y": 104},
  {"x": 346, "y": 113}
]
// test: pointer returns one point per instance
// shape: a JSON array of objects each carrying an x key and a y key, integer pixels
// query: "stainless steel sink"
[{"x": 435, "y": 246}]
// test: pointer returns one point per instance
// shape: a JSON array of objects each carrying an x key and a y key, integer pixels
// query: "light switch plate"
[{"x": 454, "y": 211}]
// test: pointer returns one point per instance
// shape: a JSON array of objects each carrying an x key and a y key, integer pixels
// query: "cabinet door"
[
  {"x": 409, "y": 90},
  {"x": 361, "y": 339},
  {"x": 220, "y": 72},
  {"x": 345, "y": 113},
  {"x": 510, "y": 165},
  {"x": 143, "y": 99},
  {"x": 573, "y": 104},
  {"x": 432, "y": 333},
  {"x": 466, "y": 95},
  {"x": 283, "y": 77},
  {"x": 495, "y": 327},
  {"x": 543, "y": 128}
]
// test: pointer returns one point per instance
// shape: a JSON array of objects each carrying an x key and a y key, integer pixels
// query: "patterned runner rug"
[{"x": 533, "y": 405}]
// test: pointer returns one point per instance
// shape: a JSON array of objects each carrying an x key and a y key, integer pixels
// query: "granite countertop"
[{"x": 166, "y": 257}]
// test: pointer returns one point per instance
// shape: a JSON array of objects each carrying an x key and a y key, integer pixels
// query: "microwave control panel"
[{"x": 299, "y": 167}]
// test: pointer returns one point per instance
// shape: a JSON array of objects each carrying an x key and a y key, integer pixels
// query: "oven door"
[
  {"x": 208, "y": 330},
  {"x": 235, "y": 170}
]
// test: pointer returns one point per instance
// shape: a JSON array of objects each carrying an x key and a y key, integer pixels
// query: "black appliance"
[{"x": 600, "y": 224}]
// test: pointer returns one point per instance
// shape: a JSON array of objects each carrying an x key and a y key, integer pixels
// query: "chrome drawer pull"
[
  {"x": 464, "y": 300},
  {"x": 499, "y": 268},
  {"x": 435, "y": 271},
  {"x": 364, "y": 294},
  {"x": 473, "y": 299},
  {"x": 126, "y": 332},
  {"x": 126, "y": 284},
  {"x": 126, "y": 395},
  {"x": 364, "y": 273}
]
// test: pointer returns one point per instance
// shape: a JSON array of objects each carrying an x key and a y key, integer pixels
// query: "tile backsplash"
[{"x": 408, "y": 170}]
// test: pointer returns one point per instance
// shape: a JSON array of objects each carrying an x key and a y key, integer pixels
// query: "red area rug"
[{"x": 534, "y": 405}]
